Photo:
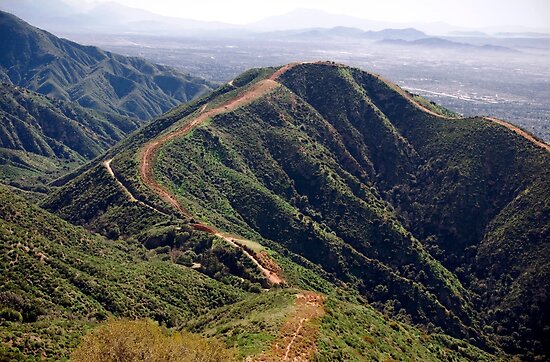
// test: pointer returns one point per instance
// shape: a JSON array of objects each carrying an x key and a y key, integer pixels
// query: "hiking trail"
[
  {"x": 297, "y": 336},
  {"x": 150, "y": 150}
]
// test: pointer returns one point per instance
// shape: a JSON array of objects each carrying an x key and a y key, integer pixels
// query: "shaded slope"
[
  {"x": 40, "y": 137},
  {"x": 364, "y": 264},
  {"x": 236, "y": 196},
  {"x": 93, "y": 78}
]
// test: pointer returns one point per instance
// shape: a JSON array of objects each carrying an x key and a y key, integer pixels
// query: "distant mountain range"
[
  {"x": 348, "y": 33},
  {"x": 105, "y": 17},
  {"x": 107, "y": 82},
  {"x": 112, "y": 17},
  {"x": 439, "y": 43}
]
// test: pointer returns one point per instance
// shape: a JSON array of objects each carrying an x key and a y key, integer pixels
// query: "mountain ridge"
[
  {"x": 93, "y": 78},
  {"x": 346, "y": 167},
  {"x": 42, "y": 137}
]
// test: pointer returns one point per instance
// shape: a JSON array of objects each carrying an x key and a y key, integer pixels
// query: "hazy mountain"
[
  {"x": 525, "y": 34},
  {"x": 342, "y": 32},
  {"x": 347, "y": 176},
  {"x": 105, "y": 17},
  {"x": 405, "y": 34},
  {"x": 35, "y": 59},
  {"x": 439, "y": 43},
  {"x": 465, "y": 33},
  {"x": 41, "y": 137},
  {"x": 311, "y": 18}
]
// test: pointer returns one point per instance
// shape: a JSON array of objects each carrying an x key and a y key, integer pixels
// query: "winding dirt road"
[
  {"x": 150, "y": 151},
  {"x": 107, "y": 165}
]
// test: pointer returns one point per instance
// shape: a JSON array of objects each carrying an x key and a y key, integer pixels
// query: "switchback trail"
[{"x": 501, "y": 122}]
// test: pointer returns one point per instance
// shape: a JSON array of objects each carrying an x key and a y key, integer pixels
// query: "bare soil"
[
  {"x": 298, "y": 335},
  {"x": 149, "y": 153}
]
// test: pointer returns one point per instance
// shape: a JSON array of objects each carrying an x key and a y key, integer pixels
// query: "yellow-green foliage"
[{"x": 144, "y": 340}]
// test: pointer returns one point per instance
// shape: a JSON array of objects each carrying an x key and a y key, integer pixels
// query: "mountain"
[
  {"x": 312, "y": 18},
  {"x": 60, "y": 17},
  {"x": 342, "y": 32},
  {"x": 337, "y": 172},
  {"x": 439, "y": 43},
  {"x": 59, "y": 281},
  {"x": 106, "y": 82},
  {"x": 409, "y": 34},
  {"x": 42, "y": 137}
]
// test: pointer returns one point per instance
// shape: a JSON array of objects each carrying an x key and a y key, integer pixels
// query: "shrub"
[
  {"x": 144, "y": 340},
  {"x": 11, "y": 315}
]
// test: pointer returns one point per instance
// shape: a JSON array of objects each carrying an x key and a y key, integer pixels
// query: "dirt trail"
[
  {"x": 296, "y": 341},
  {"x": 272, "y": 276},
  {"x": 520, "y": 132},
  {"x": 408, "y": 96},
  {"x": 107, "y": 165},
  {"x": 150, "y": 150},
  {"x": 501, "y": 122}
]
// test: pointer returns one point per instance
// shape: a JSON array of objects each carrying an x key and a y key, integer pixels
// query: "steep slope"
[
  {"x": 41, "y": 137},
  {"x": 335, "y": 169},
  {"x": 477, "y": 197},
  {"x": 107, "y": 82},
  {"x": 58, "y": 280}
]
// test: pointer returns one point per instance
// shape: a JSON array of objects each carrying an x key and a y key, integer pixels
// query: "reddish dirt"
[
  {"x": 150, "y": 150},
  {"x": 297, "y": 336},
  {"x": 149, "y": 153},
  {"x": 263, "y": 258},
  {"x": 520, "y": 132},
  {"x": 274, "y": 278}
]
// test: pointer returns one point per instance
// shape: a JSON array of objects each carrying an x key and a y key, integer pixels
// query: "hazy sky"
[{"x": 467, "y": 13}]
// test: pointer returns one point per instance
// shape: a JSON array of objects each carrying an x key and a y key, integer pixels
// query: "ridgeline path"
[
  {"x": 298, "y": 334},
  {"x": 150, "y": 151},
  {"x": 107, "y": 165},
  {"x": 501, "y": 122}
]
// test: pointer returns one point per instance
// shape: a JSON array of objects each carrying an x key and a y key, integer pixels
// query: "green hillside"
[
  {"x": 59, "y": 281},
  {"x": 42, "y": 138},
  {"x": 93, "y": 78},
  {"x": 336, "y": 172}
]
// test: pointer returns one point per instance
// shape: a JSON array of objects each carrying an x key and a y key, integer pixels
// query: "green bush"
[{"x": 11, "y": 315}]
